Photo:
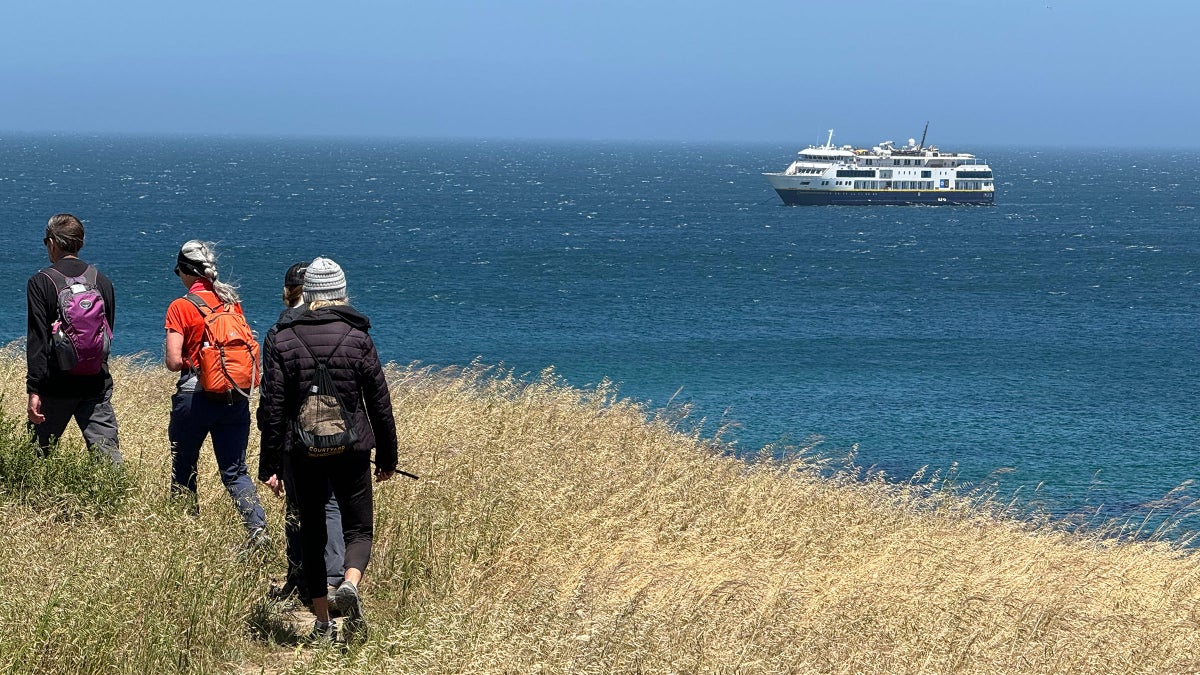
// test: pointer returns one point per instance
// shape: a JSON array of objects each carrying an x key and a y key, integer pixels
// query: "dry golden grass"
[{"x": 559, "y": 530}]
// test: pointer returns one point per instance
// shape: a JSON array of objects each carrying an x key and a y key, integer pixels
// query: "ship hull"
[{"x": 886, "y": 197}]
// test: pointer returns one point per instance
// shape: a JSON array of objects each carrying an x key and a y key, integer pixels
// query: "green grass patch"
[{"x": 70, "y": 481}]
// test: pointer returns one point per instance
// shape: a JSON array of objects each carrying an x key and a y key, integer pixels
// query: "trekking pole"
[{"x": 402, "y": 472}]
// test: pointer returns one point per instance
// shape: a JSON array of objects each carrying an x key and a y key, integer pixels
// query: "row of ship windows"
[
  {"x": 907, "y": 162},
  {"x": 887, "y": 173},
  {"x": 870, "y": 173},
  {"x": 910, "y": 184},
  {"x": 883, "y": 173},
  {"x": 891, "y": 184}
]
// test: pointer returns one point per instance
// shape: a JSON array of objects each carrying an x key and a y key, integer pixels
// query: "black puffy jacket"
[{"x": 355, "y": 370}]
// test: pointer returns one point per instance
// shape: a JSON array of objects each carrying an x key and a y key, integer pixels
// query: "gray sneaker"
[
  {"x": 322, "y": 634},
  {"x": 257, "y": 544},
  {"x": 354, "y": 623},
  {"x": 258, "y": 538}
]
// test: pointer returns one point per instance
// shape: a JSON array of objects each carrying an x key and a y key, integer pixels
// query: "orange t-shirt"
[{"x": 185, "y": 318}]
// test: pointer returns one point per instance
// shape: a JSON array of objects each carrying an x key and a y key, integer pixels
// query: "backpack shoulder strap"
[
  {"x": 59, "y": 279},
  {"x": 304, "y": 343},
  {"x": 310, "y": 351},
  {"x": 338, "y": 344},
  {"x": 204, "y": 307}
]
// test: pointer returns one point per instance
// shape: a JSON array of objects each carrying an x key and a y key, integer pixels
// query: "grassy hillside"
[{"x": 559, "y": 530}]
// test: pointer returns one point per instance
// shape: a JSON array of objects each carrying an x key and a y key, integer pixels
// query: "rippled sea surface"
[{"x": 1051, "y": 342}]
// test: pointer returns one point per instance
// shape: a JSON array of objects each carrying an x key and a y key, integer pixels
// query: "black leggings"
[{"x": 350, "y": 476}]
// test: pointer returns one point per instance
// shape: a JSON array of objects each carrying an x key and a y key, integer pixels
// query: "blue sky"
[{"x": 1096, "y": 73}]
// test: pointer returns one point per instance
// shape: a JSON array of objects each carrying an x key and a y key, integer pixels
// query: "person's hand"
[
  {"x": 275, "y": 484},
  {"x": 35, "y": 409},
  {"x": 381, "y": 476}
]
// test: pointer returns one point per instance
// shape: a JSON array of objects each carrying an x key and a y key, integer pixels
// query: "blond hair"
[{"x": 321, "y": 304}]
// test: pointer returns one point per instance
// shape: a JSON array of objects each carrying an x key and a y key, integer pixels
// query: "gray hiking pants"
[{"x": 94, "y": 416}]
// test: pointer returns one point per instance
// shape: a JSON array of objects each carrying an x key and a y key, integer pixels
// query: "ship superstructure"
[{"x": 884, "y": 174}]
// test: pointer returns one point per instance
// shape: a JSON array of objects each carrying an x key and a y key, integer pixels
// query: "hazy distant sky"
[{"x": 1090, "y": 73}]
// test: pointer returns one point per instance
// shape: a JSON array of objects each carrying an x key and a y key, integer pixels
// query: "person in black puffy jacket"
[
  {"x": 334, "y": 332},
  {"x": 335, "y": 547}
]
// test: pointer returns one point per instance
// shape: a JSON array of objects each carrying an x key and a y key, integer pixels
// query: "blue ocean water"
[{"x": 1047, "y": 342}]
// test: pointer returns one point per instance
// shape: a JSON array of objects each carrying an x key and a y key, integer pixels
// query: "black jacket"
[
  {"x": 268, "y": 346},
  {"x": 355, "y": 370},
  {"x": 42, "y": 377}
]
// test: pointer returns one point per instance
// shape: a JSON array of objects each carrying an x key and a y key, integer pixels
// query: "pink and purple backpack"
[{"x": 81, "y": 336}]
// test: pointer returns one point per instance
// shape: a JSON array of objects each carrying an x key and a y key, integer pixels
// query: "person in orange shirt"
[{"x": 197, "y": 414}]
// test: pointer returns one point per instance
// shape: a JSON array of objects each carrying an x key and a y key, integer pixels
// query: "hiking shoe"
[
  {"x": 257, "y": 544},
  {"x": 323, "y": 634},
  {"x": 350, "y": 605},
  {"x": 335, "y": 609},
  {"x": 258, "y": 539}
]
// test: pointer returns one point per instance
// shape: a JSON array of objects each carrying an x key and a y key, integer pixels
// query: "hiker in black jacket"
[
  {"x": 56, "y": 396},
  {"x": 334, "y": 332},
  {"x": 335, "y": 547}
]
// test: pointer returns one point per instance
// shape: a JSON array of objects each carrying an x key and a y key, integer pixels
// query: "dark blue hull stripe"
[{"x": 873, "y": 197}]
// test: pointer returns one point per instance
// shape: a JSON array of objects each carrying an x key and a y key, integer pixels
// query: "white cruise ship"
[{"x": 911, "y": 174}]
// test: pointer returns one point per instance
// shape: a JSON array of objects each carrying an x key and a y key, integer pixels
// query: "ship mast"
[
  {"x": 829, "y": 141},
  {"x": 922, "y": 145}
]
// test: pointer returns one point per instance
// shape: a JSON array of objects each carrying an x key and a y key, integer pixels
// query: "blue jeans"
[{"x": 194, "y": 416}]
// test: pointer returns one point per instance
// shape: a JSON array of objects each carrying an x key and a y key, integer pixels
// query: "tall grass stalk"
[
  {"x": 566, "y": 530},
  {"x": 68, "y": 480}
]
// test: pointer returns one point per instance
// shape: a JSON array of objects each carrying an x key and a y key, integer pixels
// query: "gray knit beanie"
[{"x": 324, "y": 280}]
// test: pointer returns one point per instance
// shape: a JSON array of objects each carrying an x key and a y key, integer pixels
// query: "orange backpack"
[{"x": 229, "y": 354}]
